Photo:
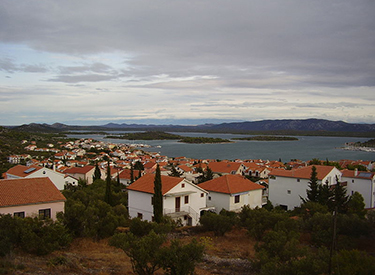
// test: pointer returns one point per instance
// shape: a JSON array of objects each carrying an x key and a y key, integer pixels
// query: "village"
[{"x": 232, "y": 183}]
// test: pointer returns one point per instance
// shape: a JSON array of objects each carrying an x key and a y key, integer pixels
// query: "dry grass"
[{"x": 85, "y": 256}]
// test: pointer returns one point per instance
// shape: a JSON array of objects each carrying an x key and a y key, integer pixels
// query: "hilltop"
[{"x": 317, "y": 127}]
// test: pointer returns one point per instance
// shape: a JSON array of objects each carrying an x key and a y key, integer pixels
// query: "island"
[
  {"x": 159, "y": 135},
  {"x": 203, "y": 140},
  {"x": 268, "y": 138},
  {"x": 149, "y": 135}
]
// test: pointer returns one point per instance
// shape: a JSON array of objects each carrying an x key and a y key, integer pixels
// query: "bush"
[{"x": 219, "y": 224}]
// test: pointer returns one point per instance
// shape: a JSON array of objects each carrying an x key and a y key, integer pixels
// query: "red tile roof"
[
  {"x": 19, "y": 170},
  {"x": 79, "y": 170},
  {"x": 146, "y": 183},
  {"x": 230, "y": 184},
  {"x": 126, "y": 174},
  {"x": 224, "y": 167},
  {"x": 303, "y": 172},
  {"x": 28, "y": 191}
]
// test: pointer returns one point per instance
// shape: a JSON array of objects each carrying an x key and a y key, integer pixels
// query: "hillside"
[{"x": 275, "y": 127}]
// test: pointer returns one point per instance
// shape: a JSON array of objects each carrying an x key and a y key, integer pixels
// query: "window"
[
  {"x": 352, "y": 181},
  {"x": 237, "y": 199},
  {"x": 19, "y": 214},
  {"x": 45, "y": 213},
  {"x": 186, "y": 199},
  {"x": 139, "y": 215},
  {"x": 298, "y": 180},
  {"x": 209, "y": 198},
  {"x": 152, "y": 200},
  {"x": 183, "y": 185},
  {"x": 289, "y": 192},
  {"x": 202, "y": 195}
]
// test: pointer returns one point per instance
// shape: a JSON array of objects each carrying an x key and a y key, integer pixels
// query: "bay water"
[{"x": 305, "y": 148}]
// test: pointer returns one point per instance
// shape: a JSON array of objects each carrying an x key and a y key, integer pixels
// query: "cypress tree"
[
  {"x": 313, "y": 192},
  {"x": 158, "y": 196},
  {"x": 131, "y": 173},
  {"x": 97, "y": 173},
  {"x": 108, "y": 191}
]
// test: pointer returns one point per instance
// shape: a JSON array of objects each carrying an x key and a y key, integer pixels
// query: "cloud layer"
[{"x": 126, "y": 61}]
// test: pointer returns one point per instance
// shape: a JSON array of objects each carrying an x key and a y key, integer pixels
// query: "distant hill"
[
  {"x": 274, "y": 127},
  {"x": 296, "y": 125}
]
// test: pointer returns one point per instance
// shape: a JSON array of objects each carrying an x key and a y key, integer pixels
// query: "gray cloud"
[{"x": 271, "y": 51}]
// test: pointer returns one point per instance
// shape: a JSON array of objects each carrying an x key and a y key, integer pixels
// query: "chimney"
[{"x": 356, "y": 172}]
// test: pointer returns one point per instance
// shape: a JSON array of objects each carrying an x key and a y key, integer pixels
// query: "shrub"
[{"x": 219, "y": 224}]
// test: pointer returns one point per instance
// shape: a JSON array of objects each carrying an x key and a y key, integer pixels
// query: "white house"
[
  {"x": 25, "y": 197},
  {"x": 232, "y": 192},
  {"x": 287, "y": 187},
  {"x": 182, "y": 200},
  {"x": 84, "y": 173},
  {"x": 361, "y": 182},
  {"x": 33, "y": 171}
]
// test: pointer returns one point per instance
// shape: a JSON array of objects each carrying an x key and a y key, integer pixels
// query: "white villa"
[
  {"x": 232, "y": 192},
  {"x": 361, "y": 182},
  {"x": 287, "y": 187},
  {"x": 34, "y": 171},
  {"x": 182, "y": 200},
  {"x": 30, "y": 197}
]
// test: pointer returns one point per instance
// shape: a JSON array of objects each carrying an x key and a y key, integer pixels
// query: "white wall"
[
  {"x": 57, "y": 178},
  {"x": 366, "y": 187},
  {"x": 288, "y": 191},
  {"x": 32, "y": 210},
  {"x": 140, "y": 202}
]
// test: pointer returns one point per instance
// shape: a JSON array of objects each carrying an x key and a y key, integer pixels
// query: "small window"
[
  {"x": 183, "y": 185},
  {"x": 352, "y": 181},
  {"x": 185, "y": 217},
  {"x": 237, "y": 199},
  {"x": 202, "y": 195},
  {"x": 19, "y": 214},
  {"x": 44, "y": 172},
  {"x": 186, "y": 199},
  {"x": 152, "y": 200},
  {"x": 139, "y": 215},
  {"x": 289, "y": 192},
  {"x": 209, "y": 198},
  {"x": 298, "y": 180},
  {"x": 45, "y": 213}
]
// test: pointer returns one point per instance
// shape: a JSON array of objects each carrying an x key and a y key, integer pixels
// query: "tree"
[
  {"x": 313, "y": 191},
  {"x": 144, "y": 252},
  {"x": 158, "y": 196},
  {"x": 174, "y": 172},
  {"x": 108, "y": 183},
  {"x": 139, "y": 166},
  {"x": 209, "y": 175},
  {"x": 97, "y": 173},
  {"x": 340, "y": 199},
  {"x": 356, "y": 205},
  {"x": 178, "y": 259},
  {"x": 131, "y": 173}
]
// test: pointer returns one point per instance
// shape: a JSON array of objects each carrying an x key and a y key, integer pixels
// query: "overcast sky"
[{"x": 173, "y": 61}]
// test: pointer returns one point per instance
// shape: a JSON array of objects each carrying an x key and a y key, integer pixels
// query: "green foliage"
[
  {"x": 174, "y": 172},
  {"x": 206, "y": 175},
  {"x": 312, "y": 192},
  {"x": 108, "y": 184},
  {"x": 158, "y": 196},
  {"x": 178, "y": 259},
  {"x": 219, "y": 224},
  {"x": 353, "y": 262},
  {"x": 356, "y": 205},
  {"x": 144, "y": 252},
  {"x": 356, "y": 166},
  {"x": 148, "y": 253},
  {"x": 139, "y": 166},
  {"x": 87, "y": 215},
  {"x": 257, "y": 221},
  {"x": 97, "y": 173},
  {"x": 32, "y": 235}
]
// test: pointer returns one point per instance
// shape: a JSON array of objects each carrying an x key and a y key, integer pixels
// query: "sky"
[{"x": 92, "y": 62}]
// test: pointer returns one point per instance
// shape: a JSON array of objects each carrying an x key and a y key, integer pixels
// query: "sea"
[{"x": 305, "y": 148}]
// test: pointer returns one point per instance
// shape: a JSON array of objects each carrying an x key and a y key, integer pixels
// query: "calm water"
[{"x": 306, "y": 148}]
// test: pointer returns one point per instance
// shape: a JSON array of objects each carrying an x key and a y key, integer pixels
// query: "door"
[{"x": 178, "y": 204}]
